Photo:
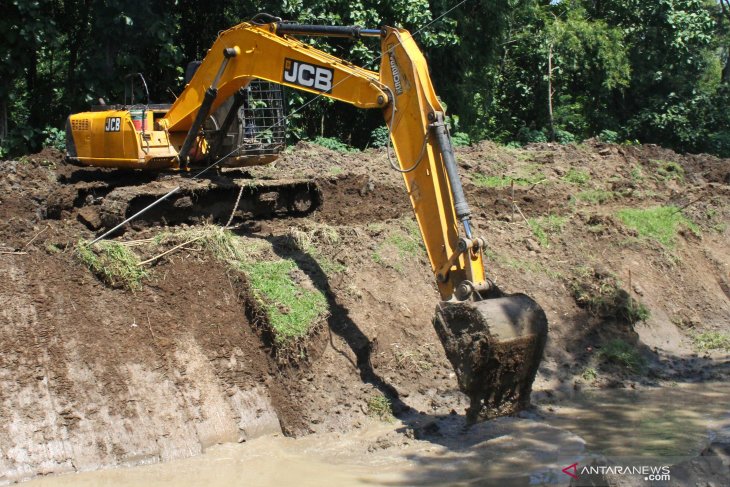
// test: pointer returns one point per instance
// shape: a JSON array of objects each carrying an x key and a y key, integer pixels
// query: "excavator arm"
[
  {"x": 402, "y": 89},
  {"x": 494, "y": 341}
]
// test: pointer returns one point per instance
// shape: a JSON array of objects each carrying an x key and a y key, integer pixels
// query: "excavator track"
[{"x": 103, "y": 203}]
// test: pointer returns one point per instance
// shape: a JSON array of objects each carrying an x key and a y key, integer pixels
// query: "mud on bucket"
[{"x": 495, "y": 347}]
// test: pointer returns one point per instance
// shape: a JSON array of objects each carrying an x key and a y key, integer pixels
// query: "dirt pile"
[{"x": 624, "y": 247}]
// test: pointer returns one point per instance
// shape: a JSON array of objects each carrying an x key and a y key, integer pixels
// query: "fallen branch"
[
  {"x": 135, "y": 243},
  {"x": 176, "y": 247},
  {"x": 684, "y": 207},
  {"x": 35, "y": 237},
  {"x": 522, "y": 214}
]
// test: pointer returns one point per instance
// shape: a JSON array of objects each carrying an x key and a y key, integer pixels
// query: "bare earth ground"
[{"x": 92, "y": 376}]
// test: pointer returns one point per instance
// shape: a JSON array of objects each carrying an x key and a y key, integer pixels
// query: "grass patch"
[
  {"x": 711, "y": 340},
  {"x": 408, "y": 240},
  {"x": 660, "y": 223},
  {"x": 412, "y": 359},
  {"x": 636, "y": 174},
  {"x": 380, "y": 407},
  {"x": 577, "y": 176},
  {"x": 543, "y": 227},
  {"x": 309, "y": 241},
  {"x": 668, "y": 170},
  {"x": 595, "y": 196},
  {"x": 606, "y": 298},
  {"x": 221, "y": 243},
  {"x": 407, "y": 243},
  {"x": 589, "y": 375},
  {"x": 292, "y": 309},
  {"x": 621, "y": 353},
  {"x": 505, "y": 181},
  {"x": 522, "y": 265},
  {"x": 113, "y": 263}
]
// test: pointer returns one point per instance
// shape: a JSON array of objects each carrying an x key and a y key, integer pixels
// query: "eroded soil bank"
[{"x": 93, "y": 376}]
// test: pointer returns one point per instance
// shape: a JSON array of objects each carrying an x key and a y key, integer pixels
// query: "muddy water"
[
  {"x": 659, "y": 423},
  {"x": 650, "y": 424}
]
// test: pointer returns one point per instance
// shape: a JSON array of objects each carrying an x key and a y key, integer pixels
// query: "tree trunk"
[
  {"x": 550, "y": 93},
  {"x": 725, "y": 76},
  {"x": 3, "y": 120}
]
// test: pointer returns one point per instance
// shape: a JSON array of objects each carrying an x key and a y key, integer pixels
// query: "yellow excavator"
[{"x": 494, "y": 341}]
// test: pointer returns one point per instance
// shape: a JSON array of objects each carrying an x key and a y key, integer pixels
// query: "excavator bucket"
[{"x": 495, "y": 346}]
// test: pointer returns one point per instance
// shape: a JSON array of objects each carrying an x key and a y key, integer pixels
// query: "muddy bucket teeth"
[{"x": 495, "y": 346}]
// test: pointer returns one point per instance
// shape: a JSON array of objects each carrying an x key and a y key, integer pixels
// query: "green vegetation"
[
  {"x": 610, "y": 78},
  {"x": 637, "y": 175},
  {"x": 53, "y": 249},
  {"x": 409, "y": 243},
  {"x": 333, "y": 144},
  {"x": 589, "y": 374},
  {"x": 505, "y": 181},
  {"x": 711, "y": 340},
  {"x": 405, "y": 242},
  {"x": 310, "y": 240},
  {"x": 379, "y": 136},
  {"x": 412, "y": 359},
  {"x": 292, "y": 309},
  {"x": 636, "y": 311},
  {"x": 621, "y": 353},
  {"x": 460, "y": 139},
  {"x": 660, "y": 223},
  {"x": 380, "y": 407},
  {"x": 526, "y": 265},
  {"x": 577, "y": 176},
  {"x": 715, "y": 220},
  {"x": 543, "y": 227},
  {"x": 606, "y": 298},
  {"x": 668, "y": 170},
  {"x": 115, "y": 264},
  {"x": 595, "y": 196}
]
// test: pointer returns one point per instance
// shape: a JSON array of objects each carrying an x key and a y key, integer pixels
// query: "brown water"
[
  {"x": 651, "y": 424},
  {"x": 658, "y": 423}
]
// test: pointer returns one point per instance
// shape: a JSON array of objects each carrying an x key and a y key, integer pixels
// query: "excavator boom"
[{"x": 494, "y": 341}]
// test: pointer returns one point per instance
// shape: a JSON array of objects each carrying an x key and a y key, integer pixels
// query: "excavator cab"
[
  {"x": 249, "y": 128},
  {"x": 494, "y": 340}
]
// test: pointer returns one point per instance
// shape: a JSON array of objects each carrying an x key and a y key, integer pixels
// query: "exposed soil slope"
[{"x": 93, "y": 376}]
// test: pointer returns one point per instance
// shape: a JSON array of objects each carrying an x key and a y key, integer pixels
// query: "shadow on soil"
[{"x": 470, "y": 461}]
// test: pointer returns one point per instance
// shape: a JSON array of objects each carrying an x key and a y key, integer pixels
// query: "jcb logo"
[
  {"x": 308, "y": 75},
  {"x": 113, "y": 124}
]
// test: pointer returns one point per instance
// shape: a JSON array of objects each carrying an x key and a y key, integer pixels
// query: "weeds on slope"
[
  {"x": 113, "y": 263},
  {"x": 292, "y": 309},
  {"x": 380, "y": 407},
  {"x": 711, "y": 340},
  {"x": 543, "y": 227},
  {"x": 621, "y": 353},
  {"x": 660, "y": 223}
]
